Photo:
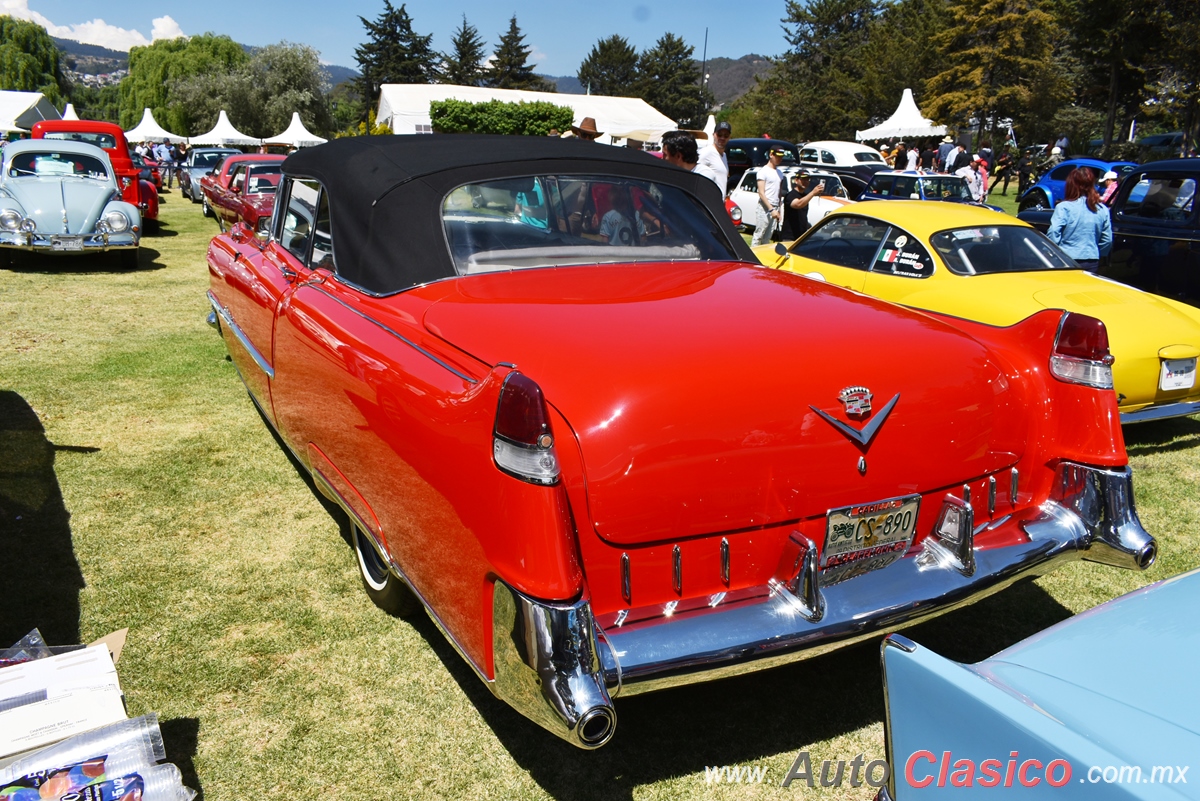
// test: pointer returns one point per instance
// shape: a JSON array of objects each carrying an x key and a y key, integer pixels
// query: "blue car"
[
  {"x": 1103, "y": 704},
  {"x": 1051, "y": 187}
]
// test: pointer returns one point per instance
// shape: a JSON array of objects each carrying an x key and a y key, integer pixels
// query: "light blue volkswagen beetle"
[
  {"x": 61, "y": 197},
  {"x": 1102, "y": 705}
]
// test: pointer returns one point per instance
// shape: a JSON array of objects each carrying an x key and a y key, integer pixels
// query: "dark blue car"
[{"x": 1050, "y": 187}]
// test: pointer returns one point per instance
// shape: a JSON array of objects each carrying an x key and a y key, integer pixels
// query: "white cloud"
[{"x": 97, "y": 31}]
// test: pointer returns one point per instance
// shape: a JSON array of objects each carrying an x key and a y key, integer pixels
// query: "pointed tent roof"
[
  {"x": 223, "y": 133},
  {"x": 907, "y": 121},
  {"x": 20, "y": 110},
  {"x": 69, "y": 112},
  {"x": 148, "y": 129},
  {"x": 296, "y": 135}
]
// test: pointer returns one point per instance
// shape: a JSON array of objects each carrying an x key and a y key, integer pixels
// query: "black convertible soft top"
[{"x": 386, "y": 193}]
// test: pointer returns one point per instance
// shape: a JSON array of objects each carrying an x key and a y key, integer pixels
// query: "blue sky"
[{"x": 560, "y": 34}]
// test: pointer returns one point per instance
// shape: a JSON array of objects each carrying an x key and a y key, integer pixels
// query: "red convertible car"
[
  {"x": 242, "y": 189},
  {"x": 567, "y": 413},
  {"x": 110, "y": 138}
]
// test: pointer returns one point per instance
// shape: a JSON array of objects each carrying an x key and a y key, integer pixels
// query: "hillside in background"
[{"x": 728, "y": 79}]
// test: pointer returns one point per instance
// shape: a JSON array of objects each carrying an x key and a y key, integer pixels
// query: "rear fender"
[{"x": 1071, "y": 421}]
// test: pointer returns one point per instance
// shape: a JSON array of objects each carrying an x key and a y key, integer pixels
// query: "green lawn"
[{"x": 139, "y": 488}]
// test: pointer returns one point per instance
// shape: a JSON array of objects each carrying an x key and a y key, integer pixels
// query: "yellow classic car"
[{"x": 976, "y": 264}]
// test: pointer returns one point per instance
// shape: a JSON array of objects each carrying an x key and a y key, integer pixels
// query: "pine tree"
[
  {"x": 463, "y": 65},
  {"x": 393, "y": 53},
  {"x": 510, "y": 68},
  {"x": 611, "y": 68},
  {"x": 995, "y": 51},
  {"x": 670, "y": 81}
]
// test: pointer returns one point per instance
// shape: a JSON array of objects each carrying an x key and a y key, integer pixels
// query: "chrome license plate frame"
[
  {"x": 867, "y": 536},
  {"x": 71, "y": 244}
]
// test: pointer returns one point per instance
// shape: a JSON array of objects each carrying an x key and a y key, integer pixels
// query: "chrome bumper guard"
[
  {"x": 558, "y": 668},
  {"x": 1164, "y": 412}
]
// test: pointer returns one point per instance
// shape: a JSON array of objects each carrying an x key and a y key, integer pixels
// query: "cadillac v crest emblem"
[{"x": 857, "y": 401}]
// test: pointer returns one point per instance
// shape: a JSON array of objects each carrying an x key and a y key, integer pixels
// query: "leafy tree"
[
  {"x": 611, "y": 68},
  {"x": 498, "y": 117},
  {"x": 346, "y": 105},
  {"x": 1177, "y": 91},
  {"x": 261, "y": 95},
  {"x": 510, "y": 64},
  {"x": 463, "y": 65},
  {"x": 393, "y": 53},
  {"x": 899, "y": 53},
  {"x": 670, "y": 81},
  {"x": 994, "y": 52},
  {"x": 816, "y": 89},
  {"x": 1119, "y": 44},
  {"x": 96, "y": 102},
  {"x": 29, "y": 60},
  {"x": 155, "y": 68}
]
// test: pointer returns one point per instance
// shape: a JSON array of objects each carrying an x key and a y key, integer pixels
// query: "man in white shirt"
[
  {"x": 769, "y": 213},
  {"x": 712, "y": 155},
  {"x": 974, "y": 181},
  {"x": 679, "y": 148}
]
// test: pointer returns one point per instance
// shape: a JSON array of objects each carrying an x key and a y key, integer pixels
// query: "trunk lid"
[{"x": 688, "y": 388}]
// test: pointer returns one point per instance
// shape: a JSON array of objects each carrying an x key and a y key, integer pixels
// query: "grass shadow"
[
  {"x": 1162, "y": 436},
  {"x": 42, "y": 578},
  {"x": 181, "y": 737},
  {"x": 743, "y": 719},
  {"x": 35, "y": 263}
]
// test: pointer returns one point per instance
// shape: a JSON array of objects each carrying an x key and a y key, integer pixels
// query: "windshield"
[
  {"x": 101, "y": 140},
  {"x": 999, "y": 249},
  {"x": 262, "y": 179},
  {"x": 946, "y": 187},
  {"x": 211, "y": 158},
  {"x": 57, "y": 164},
  {"x": 549, "y": 220}
]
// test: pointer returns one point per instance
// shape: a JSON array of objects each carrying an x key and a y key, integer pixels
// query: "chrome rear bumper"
[
  {"x": 1163, "y": 412},
  {"x": 567, "y": 668}
]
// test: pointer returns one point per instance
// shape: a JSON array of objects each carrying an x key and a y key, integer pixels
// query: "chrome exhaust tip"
[{"x": 596, "y": 727}]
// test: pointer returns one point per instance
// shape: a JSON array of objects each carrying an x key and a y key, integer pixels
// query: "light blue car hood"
[
  {"x": 43, "y": 199},
  {"x": 1114, "y": 686}
]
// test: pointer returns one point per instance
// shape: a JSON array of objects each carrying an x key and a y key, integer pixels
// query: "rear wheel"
[
  {"x": 387, "y": 591},
  {"x": 1034, "y": 201}
]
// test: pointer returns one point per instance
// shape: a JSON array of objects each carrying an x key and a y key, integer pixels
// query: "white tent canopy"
[
  {"x": 296, "y": 135},
  {"x": 148, "y": 130},
  {"x": 223, "y": 133},
  {"x": 907, "y": 121},
  {"x": 69, "y": 112},
  {"x": 20, "y": 110},
  {"x": 405, "y": 107}
]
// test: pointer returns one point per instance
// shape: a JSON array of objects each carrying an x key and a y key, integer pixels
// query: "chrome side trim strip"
[
  {"x": 725, "y": 561},
  {"x": 397, "y": 335},
  {"x": 1166, "y": 411},
  {"x": 238, "y": 334},
  {"x": 991, "y": 496},
  {"x": 1013, "y": 485},
  {"x": 626, "y": 584},
  {"x": 677, "y": 568}
]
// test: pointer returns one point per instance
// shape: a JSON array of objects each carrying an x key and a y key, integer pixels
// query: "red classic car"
[
  {"x": 242, "y": 189},
  {"x": 612, "y": 458},
  {"x": 110, "y": 138}
]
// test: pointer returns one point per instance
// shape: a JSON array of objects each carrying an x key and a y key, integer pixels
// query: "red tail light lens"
[
  {"x": 1080, "y": 354},
  {"x": 522, "y": 442}
]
